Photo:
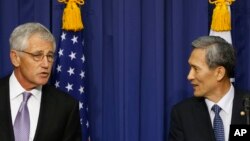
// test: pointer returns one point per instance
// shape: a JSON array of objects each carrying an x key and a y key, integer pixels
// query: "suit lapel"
[
  {"x": 237, "y": 108},
  {"x": 45, "y": 119},
  {"x": 6, "y": 127},
  {"x": 202, "y": 119},
  {"x": 42, "y": 114}
]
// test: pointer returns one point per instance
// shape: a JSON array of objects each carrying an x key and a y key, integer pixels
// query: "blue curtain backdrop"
[
  {"x": 241, "y": 41},
  {"x": 136, "y": 52}
]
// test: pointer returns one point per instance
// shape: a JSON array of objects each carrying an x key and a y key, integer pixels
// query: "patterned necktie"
[
  {"x": 22, "y": 121},
  {"x": 218, "y": 124}
]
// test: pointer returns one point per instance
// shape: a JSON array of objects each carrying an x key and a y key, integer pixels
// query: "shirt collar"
[
  {"x": 17, "y": 88},
  {"x": 224, "y": 102}
]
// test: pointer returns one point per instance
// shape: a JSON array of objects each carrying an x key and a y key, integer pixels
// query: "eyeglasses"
[{"x": 40, "y": 56}]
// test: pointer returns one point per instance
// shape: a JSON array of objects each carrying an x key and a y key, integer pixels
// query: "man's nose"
[
  {"x": 45, "y": 61},
  {"x": 190, "y": 75}
]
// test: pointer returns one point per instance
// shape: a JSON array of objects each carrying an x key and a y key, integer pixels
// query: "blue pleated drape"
[
  {"x": 15, "y": 12},
  {"x": 186, "y": 20},
  {"x": 136, "y": 53},
  {"x": 241, "y": 41}
]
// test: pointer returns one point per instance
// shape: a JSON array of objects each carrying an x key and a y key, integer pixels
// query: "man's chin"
[
  {"x": 42, "y": 81},
  {"x": 198, "y": 95}
]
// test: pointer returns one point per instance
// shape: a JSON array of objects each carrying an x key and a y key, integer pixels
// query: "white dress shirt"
[
  {"x": 226, "y": 104},
  {"x": 34, "y": 101}
]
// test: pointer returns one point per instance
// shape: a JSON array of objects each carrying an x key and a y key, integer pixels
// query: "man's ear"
[
  {"x": 220, "y": 72},
  {"x": 15, "y": 59}
]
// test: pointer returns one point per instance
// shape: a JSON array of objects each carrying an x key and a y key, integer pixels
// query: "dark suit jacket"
[
  {"x": 58, "y": 119},
  {"x": 190, "y": 120}
]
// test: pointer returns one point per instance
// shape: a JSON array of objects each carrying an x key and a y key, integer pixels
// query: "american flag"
[{"x": 69, "y": 73}]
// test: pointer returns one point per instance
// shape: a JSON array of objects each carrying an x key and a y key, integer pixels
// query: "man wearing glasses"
[{"x": 31, "y": 110}]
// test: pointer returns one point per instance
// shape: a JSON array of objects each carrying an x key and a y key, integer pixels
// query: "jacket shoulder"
[
  {"x": 56, "y": 94},
  {"x": 189, "y": 103}
]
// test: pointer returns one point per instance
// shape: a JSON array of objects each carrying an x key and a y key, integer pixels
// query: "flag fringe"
[
  {"x": 221, "y": 19},
  {"x": 72, "y": 20}
]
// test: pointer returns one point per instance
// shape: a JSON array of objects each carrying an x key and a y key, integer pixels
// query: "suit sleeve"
[
  {"x": 72, "y": 130},
  {"x": 176, "y": 131}
]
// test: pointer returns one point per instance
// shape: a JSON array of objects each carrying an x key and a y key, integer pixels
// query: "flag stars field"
[
  {"x": 72, "y": 55},
  {"x": 81, "y": 121},
  {"x": 69, "y": 87},
  {"x": 63, "y": 36},
  {"x": 83, "y": 59},
  {"x": 81, "y": 89},
  {"x": 87, "y": 124},
  {"x": 74, "y": 39},
  {"x": 71, "y": 71},
  {"x": 57, "y": 84},
  {"x": 60, "y": 52},
  {"x": 80, "y": 105},
  {"x": 82, "y": 74},
  {"x": 59, "y": 68}
]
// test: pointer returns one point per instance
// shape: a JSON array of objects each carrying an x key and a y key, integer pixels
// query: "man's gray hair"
[
  {"x": 21, "y": 34},
  {"x": 218, "y": 52}
]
